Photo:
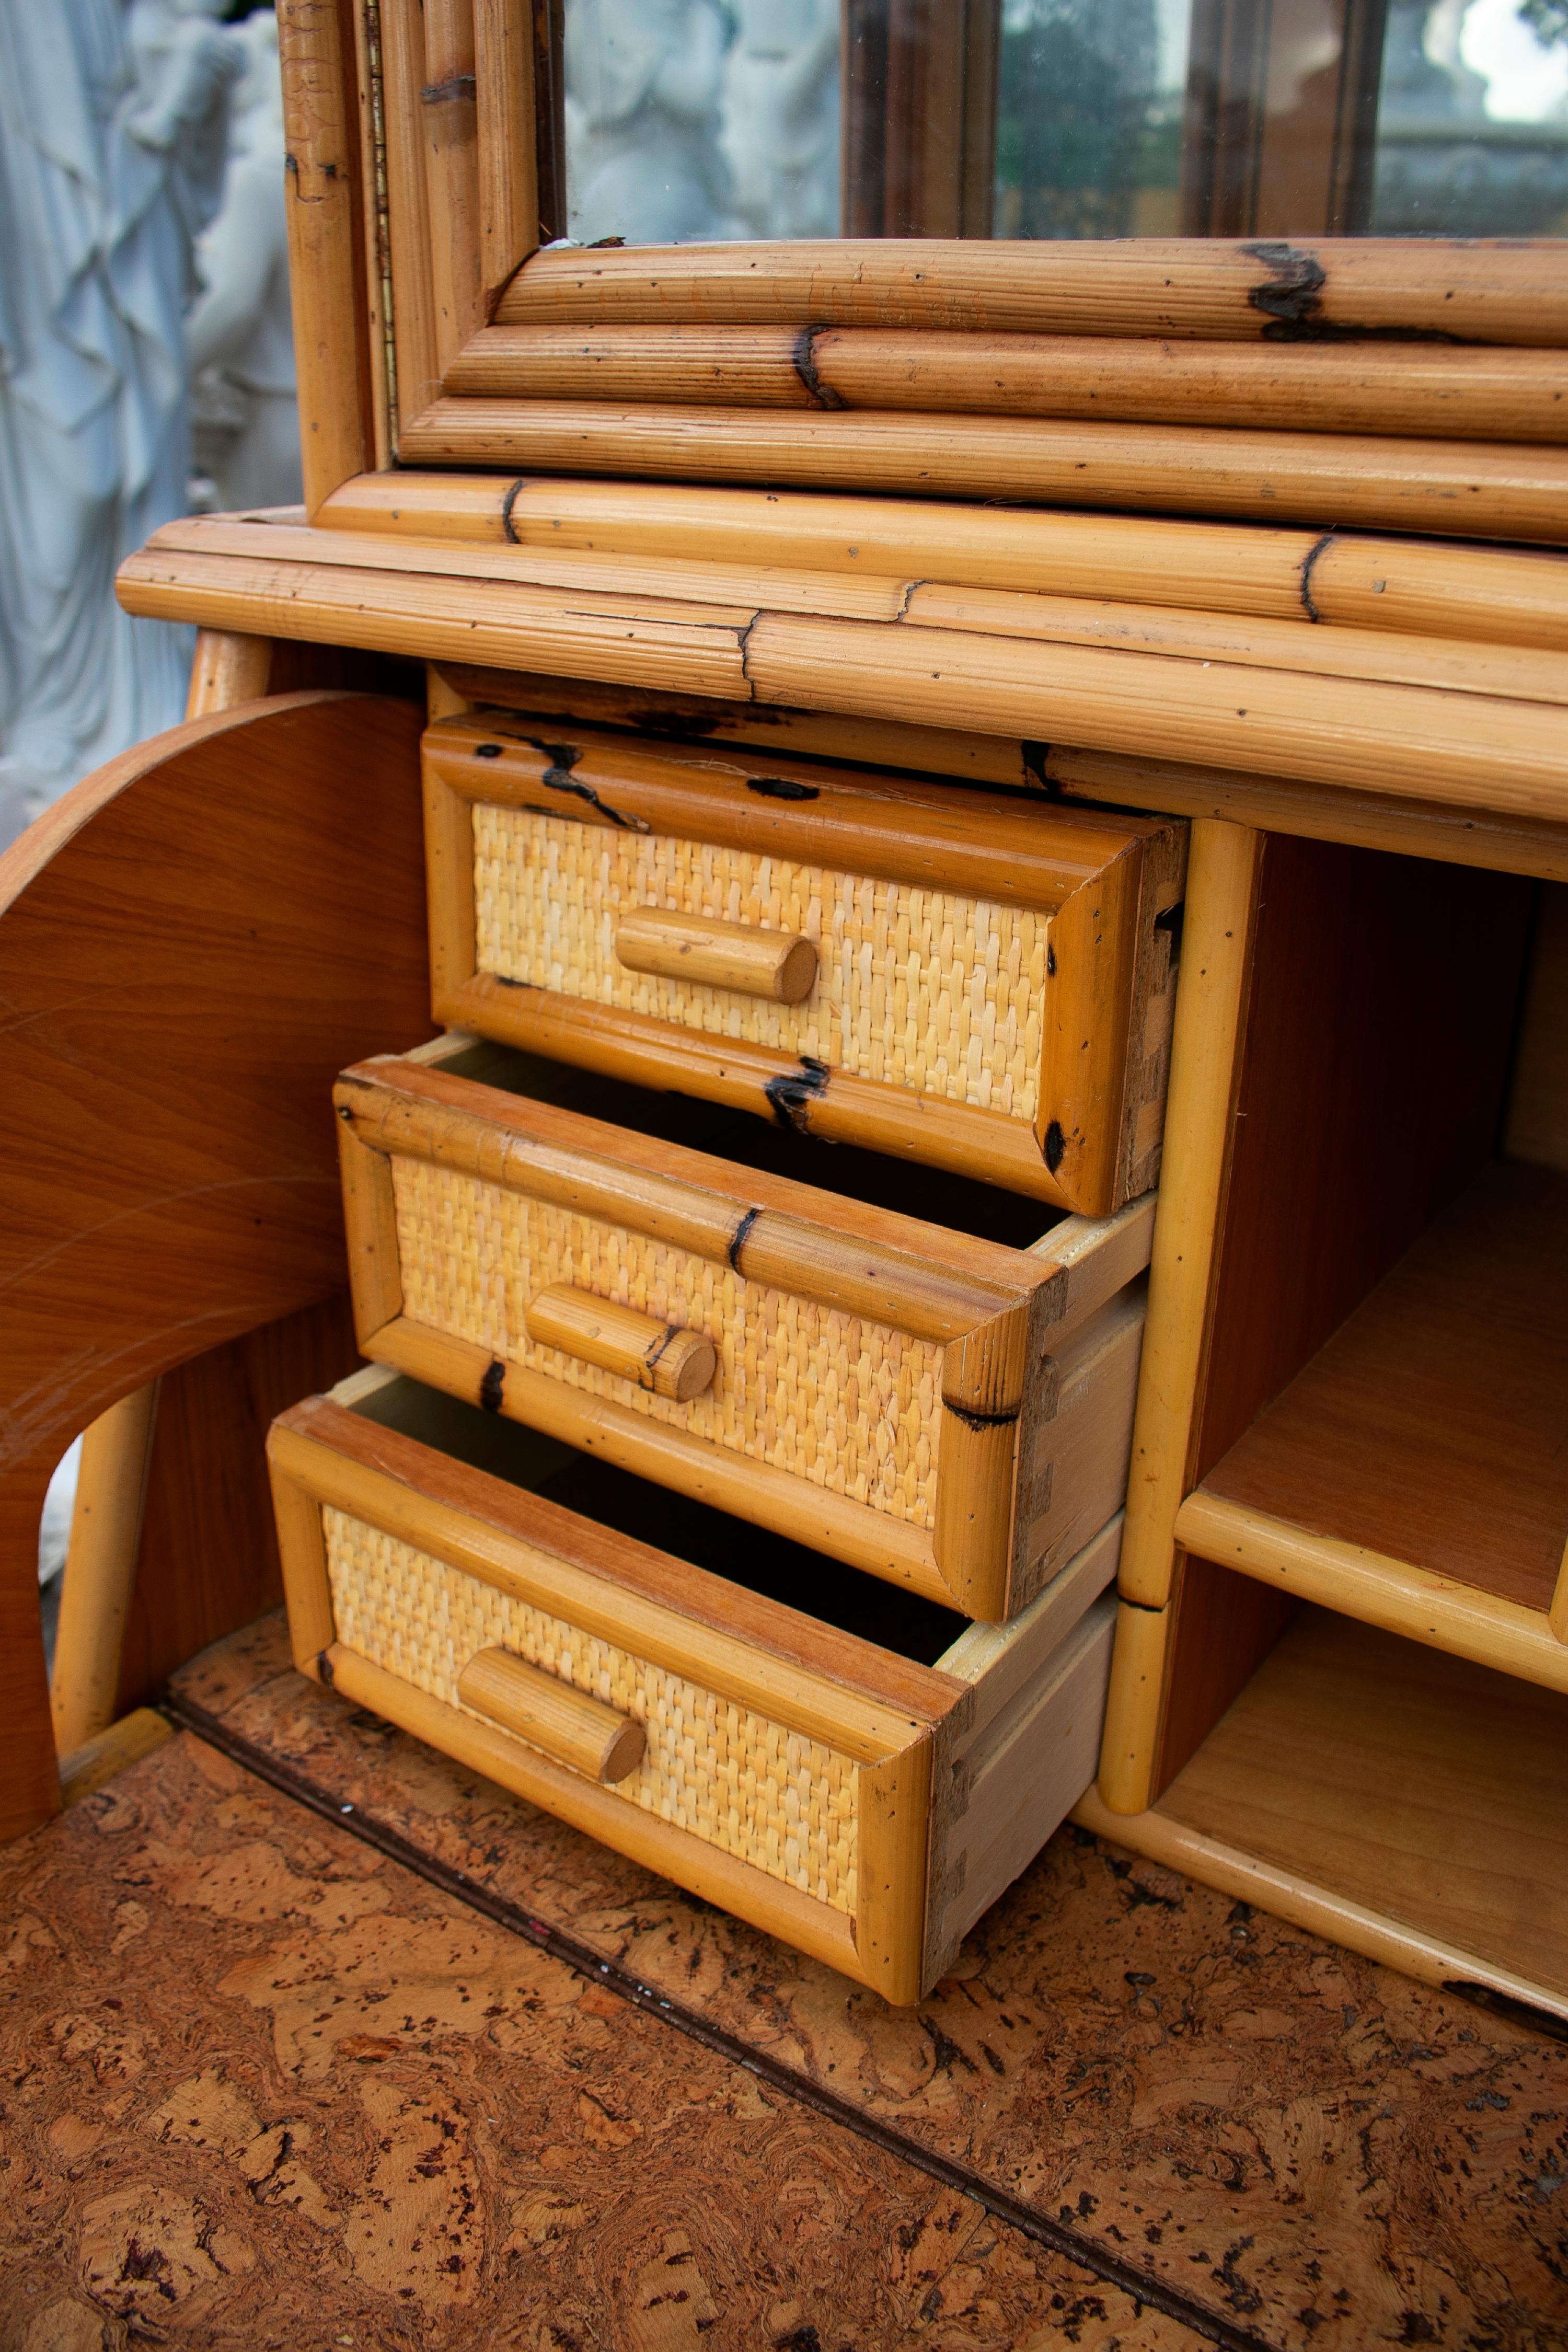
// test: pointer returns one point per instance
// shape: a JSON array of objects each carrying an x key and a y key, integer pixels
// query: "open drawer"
[
  {"x": 933, "y": 1407},
  {"x": 958, "y": 977},
  {"x": 863, "y": 1781}
]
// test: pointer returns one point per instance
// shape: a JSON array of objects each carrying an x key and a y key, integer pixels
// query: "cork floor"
[{"x": 436, "y": 2072}]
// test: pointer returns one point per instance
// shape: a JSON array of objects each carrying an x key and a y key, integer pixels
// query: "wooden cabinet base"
[{"x": 1411, "y": 1805}]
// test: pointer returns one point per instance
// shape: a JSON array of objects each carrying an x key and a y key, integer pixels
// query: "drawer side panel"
[
  {"x": 783, "y": 1804},
  {"x": 848, "y": 1405},
  {"x": 916, "y": 988}
]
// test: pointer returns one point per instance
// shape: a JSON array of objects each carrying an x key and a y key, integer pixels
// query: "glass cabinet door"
[{"x": 676, "y": 121}]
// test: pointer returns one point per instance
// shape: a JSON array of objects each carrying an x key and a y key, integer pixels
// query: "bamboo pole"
[
  {"x": 418, "y": 367},
  {"x": 100, "y": 1569},
  {"x": 1436, "y": 390},
  {"x": 326, "y": 281},
  {"x": 1469, "y": 289},
  {"x": 449, "y": 112},
  {"x": 1490, "y": 491},
  {"x": 1210, "y": 1020},
  {"x": 1414, "y": 586},
  {"x": 507, "y": 167},
  {"x": 1463, "y": 747},
  {"x": 227, "y": 669}
]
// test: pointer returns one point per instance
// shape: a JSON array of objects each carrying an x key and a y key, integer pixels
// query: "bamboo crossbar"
[
  {"x": 1462, "y": 289},
  {"x": 1433, "y": 744},
  {"x": 1489, "y": 490},
  {"x": 1412, "y": 586},
  {"x": 1437, "y": 390}
]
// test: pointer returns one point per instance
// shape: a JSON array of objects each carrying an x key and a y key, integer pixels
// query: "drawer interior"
[
  {"x": 752, "y": 1556},
  {"x": 932, "y": 1194}
]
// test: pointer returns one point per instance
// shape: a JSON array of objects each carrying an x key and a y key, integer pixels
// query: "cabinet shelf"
[
  {"x": 1410, "y": 1805},
  {"x": 1415, "y": 1475}
]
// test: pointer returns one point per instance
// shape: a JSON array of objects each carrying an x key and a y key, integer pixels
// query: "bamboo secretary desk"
[{"x": 944, "y": 992}]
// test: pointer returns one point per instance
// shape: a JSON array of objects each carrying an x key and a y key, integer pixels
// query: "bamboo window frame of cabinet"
[{"x": 418, "y": 173}]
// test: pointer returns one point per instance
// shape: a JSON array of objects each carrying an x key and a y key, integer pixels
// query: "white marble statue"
[
  {"x": 112, "y": 125},
  {"x": 240, "y": 335}
]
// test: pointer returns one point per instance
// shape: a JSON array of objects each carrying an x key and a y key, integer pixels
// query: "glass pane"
[
  {"x": 1088, "y": 117},
  {"x": 686, "y": 119},
  {"x": 730, "y": 119},
  {"x": 1472, "y": 119}
]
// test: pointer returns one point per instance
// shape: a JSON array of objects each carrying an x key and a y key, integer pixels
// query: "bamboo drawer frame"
[
  {"x": 980, "y": 1396},
  {"x": 536, "y": 849},
  {"x": 862, "y": 1805}
]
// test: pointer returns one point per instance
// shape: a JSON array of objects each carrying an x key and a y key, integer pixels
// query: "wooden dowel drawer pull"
[
  {"x": 577, "y": 1730},
  {"x": 662, "y": 1357},
  {"x": 777, "y": 964}
]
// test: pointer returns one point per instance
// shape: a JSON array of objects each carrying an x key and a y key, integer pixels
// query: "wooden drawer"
[
  {"x": 865, "y": 1799},
  {"x": 958, "y": 977},
  {"x": 942, "y": 1411}
]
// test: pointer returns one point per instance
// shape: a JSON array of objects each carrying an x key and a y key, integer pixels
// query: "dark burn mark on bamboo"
[
  {"x": 1056, "y": 1146},
  {"x": 1050, "y": 961},
  {"x": 973, "y": 1420},
  {"x": 488, "y": 751},
  {"x": 506, "y": 504},
  {"x": 792, "y": 1093},
  {"x": 822, "y": 394},
  {"x": 659, "y": 1344},
  {"x": 442, "y": 93},
  {"x": 1290, "y": 296},
  {"x": 738, "y": 1238},
  {"x": 782, "y": 788},
  {"x": 557, "y": 778},
  {"x": 1320, "y": 547},
  {"x": 324, "y": 1667},
  {"x": 491, "y": 1386},
  {"x": 1034, "y": 756}
]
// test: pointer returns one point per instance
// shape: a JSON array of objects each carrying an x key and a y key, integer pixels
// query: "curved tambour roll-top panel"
[
  {"x": 902, "y": 1396},
  {"x": 961, "y": 979}
]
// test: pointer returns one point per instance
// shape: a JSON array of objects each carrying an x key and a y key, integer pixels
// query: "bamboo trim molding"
[
  {"x": 327, "y": 273},
  {"x": 1369, "y": 820},
  {"x": 1480, "y": 290},
  {"x": 1435, "y": 390},
  {"x": 1511, "y": 491},
  {"x": 1357, "y": 1583},
  {"x": 1512, "y": 596},
  {"x": 1422, "y": 741}
]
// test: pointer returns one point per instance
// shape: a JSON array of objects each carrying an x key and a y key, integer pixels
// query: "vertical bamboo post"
[
  {"x": 509, "y": 163},
  {"x": 1210, "y": 1019},
  {"x": 227, "y": 669},
  {"x": 327, "y": 281},
  {"x": 449, "y": 108},
  {"x": 100, "y": 1569}
]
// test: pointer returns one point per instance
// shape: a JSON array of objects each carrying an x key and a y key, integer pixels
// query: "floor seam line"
[{"x": 1059, "y": 2236}]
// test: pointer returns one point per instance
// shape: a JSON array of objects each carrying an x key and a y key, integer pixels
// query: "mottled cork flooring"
[{"x": 464, "y": 2079}]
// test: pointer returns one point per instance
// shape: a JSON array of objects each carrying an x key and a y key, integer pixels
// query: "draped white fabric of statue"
[{"x": 111, "y": 154}]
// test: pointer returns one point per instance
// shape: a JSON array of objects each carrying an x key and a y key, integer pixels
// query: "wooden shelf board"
[
  {"x": 1432, "y": 1429},
  {"x": 1407, "y": 1803}
]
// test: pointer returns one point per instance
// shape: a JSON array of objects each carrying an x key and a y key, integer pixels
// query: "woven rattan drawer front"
[
  {"x": 944, "y": 1411},
  {"x": 954, "y": 976},
  {"x": 786, "y": 1770}
]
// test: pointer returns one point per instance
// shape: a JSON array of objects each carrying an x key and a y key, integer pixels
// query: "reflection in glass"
[
  {"x": 688, "y": 120},
  {"x": 1088, "y": 117},
  {"x": 1472, "y": 119}
]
